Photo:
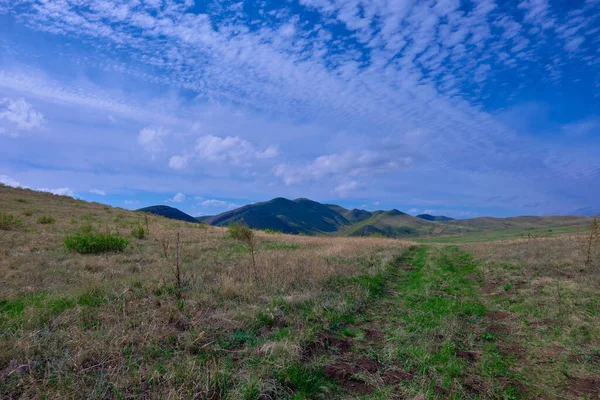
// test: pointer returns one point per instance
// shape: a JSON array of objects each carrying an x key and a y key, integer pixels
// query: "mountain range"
[{"x": 308, "y": 217}]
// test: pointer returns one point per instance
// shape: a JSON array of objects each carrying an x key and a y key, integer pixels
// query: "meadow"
[{"x": 299, "y": 317}]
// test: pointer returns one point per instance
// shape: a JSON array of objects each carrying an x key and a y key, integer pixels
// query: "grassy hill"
[
  {"x": 303, "y": 216},
  {"x": 395, "y": 223},
  {"x": 487, "y": 224},
  {"x": 437, "y": 218},
  {"x": 288, "y": 216},
  {"x": 169, "y": 212}
]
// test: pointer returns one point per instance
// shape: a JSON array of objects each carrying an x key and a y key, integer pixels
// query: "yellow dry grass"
[{"x": 109, "y": 323}]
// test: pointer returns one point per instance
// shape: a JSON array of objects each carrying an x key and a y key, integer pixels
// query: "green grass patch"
[
  {"x": 92, "y": 243},
  {"x": 9, "y": 222},
  {"x": 45, "y": 220},
  {"x": 279, "y": 246}
]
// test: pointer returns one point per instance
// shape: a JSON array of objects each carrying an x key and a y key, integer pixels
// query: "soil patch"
[
  {"x": 512, "y": 349},
  {"x": 490, "y": 287},
  {"x": 371, "y": 366},
  {"x": 343, "y": 372},
  {"x": 584, "y": 387},
  {"x": 497, "y": 315},
  {"x": 374, "y": 335},
  {"x": 394, "y": 377},
  {"x": 470, "y": 356}
]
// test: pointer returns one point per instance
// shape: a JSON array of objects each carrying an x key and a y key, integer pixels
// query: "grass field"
[
  {"x": 323, "y": 318},
  {"x": 506, "y": 234}
]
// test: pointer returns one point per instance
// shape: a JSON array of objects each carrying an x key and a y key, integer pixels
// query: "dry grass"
[
  {"x": 555, "y": 297},
  {"x": 110, "y": 325}
]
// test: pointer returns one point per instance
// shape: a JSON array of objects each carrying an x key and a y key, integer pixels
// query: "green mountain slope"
[
  {"x": 169, "y": 212},
  {"x": 289, "y": 216},
  {"x": 395, "y": 223},
  {"x": 437, "y": 218},
  {"x": 309, "y": 217}
]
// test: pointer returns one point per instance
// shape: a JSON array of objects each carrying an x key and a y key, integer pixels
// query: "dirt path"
[{"x": 430, "y": 335}]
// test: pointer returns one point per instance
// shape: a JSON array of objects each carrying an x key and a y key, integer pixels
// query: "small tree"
[
  {"x": 138, "y": 232},
  {"x": 176, "y": 270},
  {"x": 241, "y": 232},
  {"x": 592, "y": 239}
]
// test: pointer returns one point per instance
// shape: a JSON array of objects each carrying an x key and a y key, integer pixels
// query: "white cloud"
[
  {"x": 98, "y": 192},
  {"x": 269, "y": 152},
  {"x": 20, "y": 113},
  {"x": 178, "y": 198},
  {"x": 151, "y": 139},
  {"x": 220, "y": 204},
  {"x": 131, "y": 202},
  {"x": 347, "y": 188},
  {"x": 8, "y": 181},
  {"x": 230, "y": 149},
  {"x": 347, "y": 164},
  {"x": 178, "y": 162},
  {"x": 60, "y": 191},
  {"x": 213, "y": 203}
]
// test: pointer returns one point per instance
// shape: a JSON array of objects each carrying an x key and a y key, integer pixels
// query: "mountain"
[
  {"x": 169, "y": 212},
  {"x": 394, "y": 223},
  {"x": 312, "y": 218},
  {"x": 204, "y": 218},
  {"x": 289, "y": 216},
  {"x": 304, "y": 216},
  {"x": 437, "y": 218}
]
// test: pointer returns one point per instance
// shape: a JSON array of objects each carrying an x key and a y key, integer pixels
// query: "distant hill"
[
  {"x": 437, "y": 218},
  {"x": 395, "y": 223},
  {"x": 304, "y": 216},
  {"x": 169, "y": 212},
  {"x": 312, "y": 218},
  {"x": 289, "y": 216},
  {"x": 486, "y": 224}
]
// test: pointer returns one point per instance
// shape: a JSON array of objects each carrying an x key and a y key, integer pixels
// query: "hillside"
[
  {"x": 288, "y": 216},
  {"x": 395, "y": 223},
  {"x": 436, "y": 218},
  {"x": 304, "y": 216},
  {"x": 169, "y": 212},
  {"x": 524, "y": 222}
]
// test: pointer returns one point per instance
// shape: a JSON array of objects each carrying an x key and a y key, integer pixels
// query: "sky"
[{"x": 451, "y": 107}]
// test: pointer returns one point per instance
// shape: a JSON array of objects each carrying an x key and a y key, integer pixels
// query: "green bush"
[
  {"x": 239, "y": 231},
  {"x": 138, "y": 232},
  {"x": 45, "y": 220},
  {"x": 8, "y": 222},
  {"x": 272, "y": 231},
  {"x": 95, "y": 243}
]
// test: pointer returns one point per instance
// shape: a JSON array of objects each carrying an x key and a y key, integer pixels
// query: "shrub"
[
  {"x": 138, "y": 232},
  {"x": 45, "y": 220},
  {"x": 238, "y": 231},
  {"x": 8, "y": 222},
  {"x": 272, "y": 231},
  {"x": 28, "y": 213},
  {"x": 95, "y": 243},
  {"x": 241, "y": 232}
]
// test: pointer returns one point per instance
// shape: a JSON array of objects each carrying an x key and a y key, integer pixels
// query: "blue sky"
[{"x": 462, "y": 108}]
